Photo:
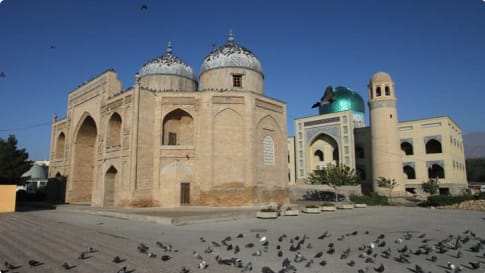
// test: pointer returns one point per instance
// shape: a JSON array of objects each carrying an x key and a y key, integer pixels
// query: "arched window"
[
  {"x": 319, "y": 155},
  {"x": 60, "y": 143},
  {"x": 433, "y": 146},
  {"x": 114, "y": 131},
  {"x": 436, "y": 171},
  {"x": 407, "y": 148},
  {"x": 378, "y": 91},
  {"x": 178, "y": 128},
  {"x": 409, "y": 171},
  {"x": 268, "y": 151},
  {"x": 387, "y": 90}
]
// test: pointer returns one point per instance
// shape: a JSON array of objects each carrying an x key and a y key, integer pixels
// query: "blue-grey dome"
[
  {"x": 167, "y": 64},
  {"x": 231, "y": 55}
]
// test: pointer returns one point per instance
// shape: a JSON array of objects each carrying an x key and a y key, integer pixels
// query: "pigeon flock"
[{"x": 260, "y": 251}]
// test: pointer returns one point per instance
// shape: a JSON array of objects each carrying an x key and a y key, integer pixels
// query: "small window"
[
  {"x": 378, "y": 91},
  {"x": 172, "y": 138},
  {"x": 387, "y": 90},
  {"x": 237, "y": 80}
]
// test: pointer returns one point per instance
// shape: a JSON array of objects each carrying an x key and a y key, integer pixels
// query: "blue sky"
[{"x": 434, "y": 50}]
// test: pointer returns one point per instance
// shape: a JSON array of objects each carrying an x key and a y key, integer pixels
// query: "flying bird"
[
  {"x": 144, "y": 7},
  {"x": 327, "y": 98},
  {"x": 2, "y": 74}
]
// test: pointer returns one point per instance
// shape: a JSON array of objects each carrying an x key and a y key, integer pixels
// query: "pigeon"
[
  {"x": 10, "y": 266},
  {"x": 379, "y": 269},
  {"x": 299, "y": 258},
  {"x": 280, "y": 253},
  {"x": 318, "y": 255},
  {"x": 66, "y": 266},
  {"x": 433, "y": 258},
  {"x": 418, "y": 269},
  {"x": 263, "y": 239},
  {"x": 345, "y": 254},
  {"x": 83, "y": 256},
  {"x": 236, "y": 249},
  {"x": 34, "y": 263},
  {"x": 327, "y": 98},
  {"x": 2, "y": 74},
  {"x": 165, "y": 258},
  {"x": 323, "y": 236},
  {"x": 248, "y": 267},
  {"x": 249, "y": 245},
  {"x": 266, "y": 269},
  {"x": 240, "y": 235},
  {"x": 257, "y": 253},
  {"x": 202, "y": 239},
  {"x": 208, "y": 250},
  {"x": 331, "y": 251},
  {"x": 184, "y": 270},
  {"x": 363, "y": 270},
  {"x": 309, "y": 263},
  {"x": 323, "y": 263},
  {"x": 203, "y": 264},
  {"x": 475, "y": 265},
  {"x": 144, "y": 7},
  {"x": 351, "y": 263},
  {"x": 459, "y": 254},
  {"x": 216, "y": 244},
  {"x": 117, "y": 260}
]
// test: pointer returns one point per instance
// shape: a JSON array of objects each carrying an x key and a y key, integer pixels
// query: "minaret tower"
[{"x": 386, "y": 149}]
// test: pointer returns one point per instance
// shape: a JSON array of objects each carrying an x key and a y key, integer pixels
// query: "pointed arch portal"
[{"x": 83, "y": 161}]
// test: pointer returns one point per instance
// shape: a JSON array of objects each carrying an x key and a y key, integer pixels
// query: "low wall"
[{"x": 7, "y": 198}]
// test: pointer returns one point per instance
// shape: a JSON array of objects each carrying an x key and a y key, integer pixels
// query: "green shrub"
[
  {"x": 372, "y": 199},
  {"x": 446, "y": 200},
  {"x": 480, "y": 196}
]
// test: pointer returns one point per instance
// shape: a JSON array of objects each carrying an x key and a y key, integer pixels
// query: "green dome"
[{"x": 345, "y": 99}]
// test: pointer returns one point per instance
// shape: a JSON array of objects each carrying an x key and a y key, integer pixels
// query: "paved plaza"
[{"x": 54, "y": 237}]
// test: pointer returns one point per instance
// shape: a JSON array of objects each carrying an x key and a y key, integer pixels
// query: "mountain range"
[{"x": 474, "y": 144}]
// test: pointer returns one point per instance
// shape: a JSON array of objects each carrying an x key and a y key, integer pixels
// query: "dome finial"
[
  {"x": 230, "y": 39},
  {"x": 169, "y": 48}
]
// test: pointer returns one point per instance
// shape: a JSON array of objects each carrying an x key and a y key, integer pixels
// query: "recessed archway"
[
  {"x": 83, "y": 161},
  {"x": 60, "y": 143},
  {"x": 328, "y": 147},
  {"x": 113, "y": 138},
  {"x": 109, "y": 186}
]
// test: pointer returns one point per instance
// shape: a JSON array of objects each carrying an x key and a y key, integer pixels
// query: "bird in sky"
[
  {"x": 2, "y": 74},
  {"x": 327, "y": 98},
  {"x": 144, "y": 7}
]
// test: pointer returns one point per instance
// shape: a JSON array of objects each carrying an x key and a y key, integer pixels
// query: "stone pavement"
[{"x": 57, "y": 236}]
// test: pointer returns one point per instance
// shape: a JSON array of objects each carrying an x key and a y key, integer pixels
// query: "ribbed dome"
[
  {"x": 381, "y": 77},
  {"x": 167, "y": 64},
  {"x": 231, "y": 55},
  {"x": 345, "y": 99}
]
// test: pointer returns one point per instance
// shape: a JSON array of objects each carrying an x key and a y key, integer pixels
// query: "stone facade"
[
  {"x": 411, "y": 152},
  {"x": 166, "y": 143}
]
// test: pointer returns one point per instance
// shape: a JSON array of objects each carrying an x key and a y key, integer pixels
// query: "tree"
[
  {"x": 388, "y": 184},
  {"x": 475, "y": 169},
  {"x": 431, "y": 186},
  {"x": 13, "y": 161},
  {"x": 334, "y": 176}
]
